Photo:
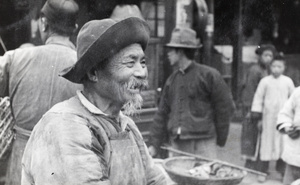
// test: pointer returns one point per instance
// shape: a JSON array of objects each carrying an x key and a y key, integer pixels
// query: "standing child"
[{"x": 270, "y": 96}]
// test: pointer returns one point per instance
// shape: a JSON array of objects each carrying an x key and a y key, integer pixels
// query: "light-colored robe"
[
  {"x": 290, "y": 114},
  {"x": 269, "y": 98}
]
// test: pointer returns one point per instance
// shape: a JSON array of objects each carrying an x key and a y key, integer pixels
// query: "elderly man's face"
[{"x": 126, "y": 76}]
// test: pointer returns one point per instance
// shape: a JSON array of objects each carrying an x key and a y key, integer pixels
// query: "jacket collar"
[
  {"x": 60, "y": 40},
  {"x": 187, "y": 68},
  {"x": 95, "y": 110}
]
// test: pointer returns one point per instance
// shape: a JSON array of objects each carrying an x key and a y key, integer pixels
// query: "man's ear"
[
  {"x": 76, "y": 28},
  {"x": 92, "y": 75},
  {"x": 44, "y": 24}
]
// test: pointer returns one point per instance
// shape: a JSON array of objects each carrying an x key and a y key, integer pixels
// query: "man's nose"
[{"x": 140, "y": 71}]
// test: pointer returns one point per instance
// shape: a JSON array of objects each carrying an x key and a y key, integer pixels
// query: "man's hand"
[{"x": 152, "y": 151}]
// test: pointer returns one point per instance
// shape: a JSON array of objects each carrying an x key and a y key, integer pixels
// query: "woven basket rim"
[{"x": 169, "y": 170}]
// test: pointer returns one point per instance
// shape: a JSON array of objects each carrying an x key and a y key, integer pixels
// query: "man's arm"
[
  {"x": 287, "y": 113},
  {"x": 285, "y": 122},
  {"x": 223, "y": 107},
  {"x": 60, "y": 151},
  {"x": 154, "y": 175}
]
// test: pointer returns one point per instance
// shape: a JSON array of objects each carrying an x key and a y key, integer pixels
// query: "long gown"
[{"x": 269, "y": 98}]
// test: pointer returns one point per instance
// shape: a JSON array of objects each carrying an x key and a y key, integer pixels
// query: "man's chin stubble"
[{"x": 135, "y": 103}]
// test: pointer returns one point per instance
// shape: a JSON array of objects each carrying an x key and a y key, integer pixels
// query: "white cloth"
[
  {"x": 269, "y": 98},
  {"x": 290, "y": 113}
]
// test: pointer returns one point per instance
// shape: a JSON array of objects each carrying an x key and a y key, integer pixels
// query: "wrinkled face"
[
  {"x": 277, "y": 68},
  {"x": 266, "y": 57},
  {"x": 173, "y": 56},
  {"x": 125, "y": 76}
]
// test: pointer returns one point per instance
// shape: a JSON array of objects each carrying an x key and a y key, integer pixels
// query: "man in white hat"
[
  {"x": 29, "y": 76},
  {"x": 196, "y": 105},
  {"x": 87, "y": 139}
]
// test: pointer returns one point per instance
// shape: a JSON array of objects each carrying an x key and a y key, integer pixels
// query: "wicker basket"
[
  {"x": 6, "y": 125},
  {"x": 177, "y": 168}
]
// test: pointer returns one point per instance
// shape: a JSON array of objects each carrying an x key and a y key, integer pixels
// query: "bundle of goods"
[
  {"x": 195, "y": 171},
  {"x": 6, "y": 125},
  {"x": 213, "y": 170}
]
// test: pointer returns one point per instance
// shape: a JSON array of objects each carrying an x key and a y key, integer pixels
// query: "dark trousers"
[{"x": 263, "y": 166}]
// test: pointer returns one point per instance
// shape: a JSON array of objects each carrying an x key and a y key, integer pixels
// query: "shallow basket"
[{"x": 177, "y": 168}]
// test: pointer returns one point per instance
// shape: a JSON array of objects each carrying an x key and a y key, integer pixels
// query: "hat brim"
[
  {"x": 182, "y": 46},
  {"x": 118, "y": 36}
]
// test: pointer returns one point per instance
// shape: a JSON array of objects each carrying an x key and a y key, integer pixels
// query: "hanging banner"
[
  {"x": 184, "y": 10},
  {"x": 210, "y": 23}
]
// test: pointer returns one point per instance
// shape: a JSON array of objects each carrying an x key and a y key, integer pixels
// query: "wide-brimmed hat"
[
  {"x": 101, "y": 39},
  {"x": 184, "y": 38},
  {"x": 261, "y": 48},
  {"x": 62, "y": 12}
]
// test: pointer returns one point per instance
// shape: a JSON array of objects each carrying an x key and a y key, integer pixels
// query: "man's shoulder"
[
  {"x": 62, "y": 115},
  {"x": 206, "y": 69},
  {"x": 71, "y": 105},
  {"x": 27, "y": 54}
]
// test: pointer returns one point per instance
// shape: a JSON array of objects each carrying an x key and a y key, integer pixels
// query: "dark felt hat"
[
  {"x": 100, "y": 39},
  {"x": 183, "y": 37},
  {"x": 63, "y": 12},
  {"x": 260, "y": 49}
]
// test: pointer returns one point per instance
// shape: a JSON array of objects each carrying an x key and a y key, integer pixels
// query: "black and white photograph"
[{"x": 149, "y": 92}]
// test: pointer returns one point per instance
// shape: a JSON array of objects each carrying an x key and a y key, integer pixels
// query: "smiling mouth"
[{"x": 135, "y": 88}]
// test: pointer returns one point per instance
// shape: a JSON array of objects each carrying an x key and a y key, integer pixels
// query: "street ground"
[{"x": 231, "y": 153}]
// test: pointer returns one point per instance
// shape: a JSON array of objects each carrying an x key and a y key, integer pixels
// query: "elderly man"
[
  {"x": 87, "y": 139},
  {"x": 30, "y": 78},
  {"x": 196, "y": 105}
]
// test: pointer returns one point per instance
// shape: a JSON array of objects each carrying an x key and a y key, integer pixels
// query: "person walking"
[
  {"x": 30, "y": 78},
  {"x": 196, "y": 105},
  {"x": 88, "y": 139}
]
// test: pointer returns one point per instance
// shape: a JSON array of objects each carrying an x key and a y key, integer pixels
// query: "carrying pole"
[{"x": 2, "y": 44}]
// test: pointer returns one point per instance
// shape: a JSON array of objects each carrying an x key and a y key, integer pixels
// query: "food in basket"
[{"x": 213, "y": 170}]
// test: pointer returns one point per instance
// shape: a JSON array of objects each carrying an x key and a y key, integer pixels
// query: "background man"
[
  {"x": 87, "y": 139},
  {"x": 29, "y": 76},
  {"x": 196, "y": 105},
  {"x": 255, "y": 73}
]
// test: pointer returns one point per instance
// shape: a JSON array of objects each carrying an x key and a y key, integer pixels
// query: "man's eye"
[
  {"x": 143, "y": 63},
  {"x": 130, "y": 64}
]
